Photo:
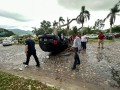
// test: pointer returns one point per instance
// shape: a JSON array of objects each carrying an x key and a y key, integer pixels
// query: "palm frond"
[
  {"x": 118, "y": 14},
  {"x": 107, "y": 17},
  {"x": 83, "y": 8},
  {"x": 87, "y": 12}
]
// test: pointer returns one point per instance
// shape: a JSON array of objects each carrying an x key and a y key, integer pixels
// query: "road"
[{"x": 99, "y": 68}]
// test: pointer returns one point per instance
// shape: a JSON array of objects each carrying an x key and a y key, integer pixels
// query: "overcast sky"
[{"x": 24, "y": 14}]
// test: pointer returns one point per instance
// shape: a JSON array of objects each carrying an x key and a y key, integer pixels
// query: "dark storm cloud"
[
  {"x": 14, "y": 16},
  {"x": 90, "y": 4}
]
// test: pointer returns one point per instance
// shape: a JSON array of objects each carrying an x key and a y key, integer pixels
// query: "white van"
[{"x": 7, "y": 41}]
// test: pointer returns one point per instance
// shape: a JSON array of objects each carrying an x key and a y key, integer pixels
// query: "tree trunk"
[
  {"x": 68, "y": 27},
  {"x": 82, "y": 30},
  {"x": 67, "y": 23},
  {"x": 55, "y": 31},
  {"x": 59, "y": 26},
  {"x": 110, "y": 28}
]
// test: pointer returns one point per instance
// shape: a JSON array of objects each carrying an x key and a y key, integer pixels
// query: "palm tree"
[
  {"x": 55, "y": 26},
  {"x": 61, "y": 20},
  {"x": 83, "y": 16},
  {"x": 68, "y": 26},
  {"x": 68, "y": 20},
  {"x": 112, "y": 15}
]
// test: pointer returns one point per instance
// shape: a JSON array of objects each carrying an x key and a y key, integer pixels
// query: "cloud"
[
  {"x": 90, "y": 4},
  {"x": 14, "y": 16},
  {"x": 8, "y": 26},
  {"x": 24, "y": 27}
]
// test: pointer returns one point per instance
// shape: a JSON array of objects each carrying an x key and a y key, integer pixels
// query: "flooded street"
[{"x": 99, "y": 68}]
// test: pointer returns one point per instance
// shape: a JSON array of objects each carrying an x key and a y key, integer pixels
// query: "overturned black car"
[{"x": 53, "y": 43}]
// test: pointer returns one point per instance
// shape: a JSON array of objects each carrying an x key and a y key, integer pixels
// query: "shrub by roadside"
[{"x": 11, "y": 82}]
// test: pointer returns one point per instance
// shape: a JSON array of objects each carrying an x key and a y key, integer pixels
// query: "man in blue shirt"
[{"x": 30, "y": 50}]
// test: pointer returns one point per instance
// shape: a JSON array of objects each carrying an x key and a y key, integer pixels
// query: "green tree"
[
  {"x": 112, "y": 15},
  {"x": 75, "y": 30},
  {"x": 5, "y": 33},
  {"x": 83, "y": 16},
  {"x": 45, "y": 25},
  {"x": 99, "y": 24},
  {"x": 55, "y": 24},
  {"x": 61, "y": 20},
  {"x": 116, "y": 29}
]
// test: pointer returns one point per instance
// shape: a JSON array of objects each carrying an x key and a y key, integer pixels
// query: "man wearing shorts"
[{"x": 101, "y": 38}]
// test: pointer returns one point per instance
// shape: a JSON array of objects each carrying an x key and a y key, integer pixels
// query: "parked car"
[
  {"x": 117, "y": 35},
  {"x": 53, "y": 43},
  {"x": 92, "y": 36},
  {"x": 7, "y": 41},
  {"x": 109, "y": 36}
]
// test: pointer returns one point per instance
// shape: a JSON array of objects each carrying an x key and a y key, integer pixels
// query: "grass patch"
[
  {"x": 117, "y": 39},
  {"x": 96, "y": 40},
  {"x": 11, "y": 82}
]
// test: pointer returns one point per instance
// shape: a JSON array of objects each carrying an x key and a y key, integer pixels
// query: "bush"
[{"x": 36, "y": 40}]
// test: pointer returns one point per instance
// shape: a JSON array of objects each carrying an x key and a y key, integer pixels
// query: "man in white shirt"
[
  {"x": 84, "y": 40},
  {"x": 77, "y": 47}
]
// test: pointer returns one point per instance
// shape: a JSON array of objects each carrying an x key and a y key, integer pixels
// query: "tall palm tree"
[
  {"x": 68, "y": 26},
  {"x": 112, "y": 15},
  {"x": 61, "y": 20},
  {"x": 83, "y": 16}
]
